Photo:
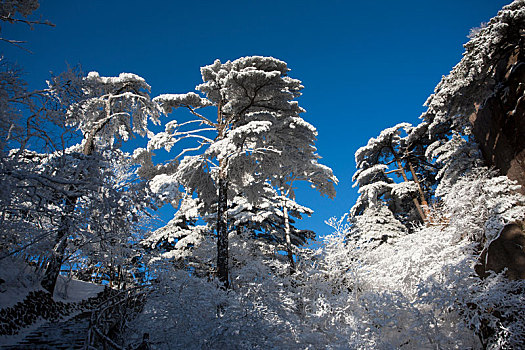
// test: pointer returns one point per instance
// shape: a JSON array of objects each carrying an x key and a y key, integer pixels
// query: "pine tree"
[
  {"x": 247, "y": 145},
  {"x": 393, "y": 153}
]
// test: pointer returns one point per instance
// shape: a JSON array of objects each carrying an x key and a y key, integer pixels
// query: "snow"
[
  {"x": 364, "y": 176},
  {"x": 253, "y": 127},
  {"x": 173, "y": 101},
  {"x": 404, "y": 189},
  {"x": 389, "y": 136},
  {"x": 20, "y": 279},
  {"x": 73, "y": 290},
  {"x": 123, "y": 78},
  {"x": 166, "y": 187},
  {"x": 382, "y": 280}
]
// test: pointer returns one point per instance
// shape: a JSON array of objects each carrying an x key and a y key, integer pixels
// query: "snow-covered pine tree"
[
  {"x": 441, "y": 149},
  {"x": 245, "y": 146},
  {"x": 394, "y": 151},
  {"x": 270, "y": 220},
  {"x": 295, "y": 139},
  {"x": 180, "y": 238},
  {"x": 476, "y": 204},
  {"x": 295, "y": 161}
]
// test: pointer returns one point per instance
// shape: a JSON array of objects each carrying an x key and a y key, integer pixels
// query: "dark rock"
[
  {"x": 499, "y": 123},
  {"x": 505, "y": 252}
]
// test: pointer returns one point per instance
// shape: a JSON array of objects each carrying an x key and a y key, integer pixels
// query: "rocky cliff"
[{"x": 499, "y": 123}]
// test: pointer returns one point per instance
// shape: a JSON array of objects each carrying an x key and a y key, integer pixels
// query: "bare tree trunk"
[
  {"x": 57, "y": 258},
  {"x": 222, "y": 207},
  {"x": 222, "y": 234},
  {"x": 424, "y": 202},
  {"x": 288, "y": 239},
  {"x": 289, "y": 251}
]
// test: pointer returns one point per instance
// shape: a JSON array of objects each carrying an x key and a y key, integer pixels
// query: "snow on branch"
[{"x": 169, "y": 102}]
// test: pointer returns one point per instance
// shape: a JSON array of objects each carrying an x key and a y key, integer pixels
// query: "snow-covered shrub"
[
  {"x": 420, "y": 290},
  {"x": 412, "y": 291},
  {"x": 479, "y": 206},
  {"x": 481, "y": 203},
  {"x": 191, "y": 311},
  {"x": 400, "y": 294}
]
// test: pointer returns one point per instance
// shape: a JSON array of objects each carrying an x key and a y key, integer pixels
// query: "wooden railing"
[{"x": 108, "y": 321}]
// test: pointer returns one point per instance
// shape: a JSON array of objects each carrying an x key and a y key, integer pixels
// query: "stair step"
[{"x": 67, "y": 334}]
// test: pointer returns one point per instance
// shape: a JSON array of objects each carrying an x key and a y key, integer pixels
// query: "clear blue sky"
[{"x": 365, "y": 65}]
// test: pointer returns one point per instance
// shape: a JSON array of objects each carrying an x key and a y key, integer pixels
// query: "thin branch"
[
  {"x": 204, "y": 119},
  {"x": 191, "y": 132},
  {"x": 191, "y": 121},
  {"x": 28, "y": 22},
  {"x": 264, "y": 150},
  {"x": 392, "y": 171},
  {"x": 189, "y": 150},
  {"x": 211, "y": 162},
  {"x": 111, "y": 96},
  {"x": 196, "y": 136},
  {"x": 36, "y": 240},
  {"x": 16, "y": 43}
]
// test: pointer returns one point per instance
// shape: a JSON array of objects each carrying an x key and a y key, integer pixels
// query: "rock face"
[
  {"x": 499, "y": 123},
  {"x": 499, "y": 128},
  {"x": 506, "y": 251}
]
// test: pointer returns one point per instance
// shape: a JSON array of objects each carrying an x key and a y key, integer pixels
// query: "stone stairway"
[
  {"x": 65, "y": 334},
  {"x": 63, "y": 325}
]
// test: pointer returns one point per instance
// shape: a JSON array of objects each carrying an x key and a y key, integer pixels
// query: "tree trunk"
[
  {"x": 424, "y": 203},
  {"x": 57, "y": 258},
  {"x": 299, "y": 301},
  {"x": 288, "y": 239},
  {"x": 222, "y": 234}
]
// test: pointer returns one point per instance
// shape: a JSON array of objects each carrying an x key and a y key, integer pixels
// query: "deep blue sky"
[{"x": 365, "y": 65}]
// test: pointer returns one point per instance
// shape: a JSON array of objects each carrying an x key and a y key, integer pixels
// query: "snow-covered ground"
[
  {"x": 20, "y": 279},
  {"x": 73, "y": 290}
]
